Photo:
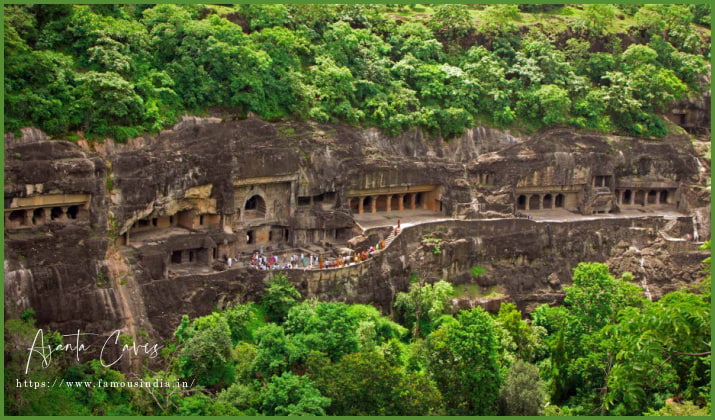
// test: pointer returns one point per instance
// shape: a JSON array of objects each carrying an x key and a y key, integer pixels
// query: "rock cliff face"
[{"x": 131, "y": 236}]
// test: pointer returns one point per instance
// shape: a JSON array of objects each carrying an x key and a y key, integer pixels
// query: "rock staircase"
[{"x": 391, "y": 237}]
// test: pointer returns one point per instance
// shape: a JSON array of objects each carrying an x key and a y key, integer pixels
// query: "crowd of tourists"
[{"x": 262, "y": 261}]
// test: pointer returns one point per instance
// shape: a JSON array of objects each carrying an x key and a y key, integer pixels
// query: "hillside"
[{"x": 120, "y": 70}]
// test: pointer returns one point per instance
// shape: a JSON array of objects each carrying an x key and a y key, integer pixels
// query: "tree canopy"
[{"x": 126, "y": 69}]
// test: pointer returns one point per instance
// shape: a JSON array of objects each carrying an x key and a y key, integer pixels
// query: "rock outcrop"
[{"x": 108, "y": 236}]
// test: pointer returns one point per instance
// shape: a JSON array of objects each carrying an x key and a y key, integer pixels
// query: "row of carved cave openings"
[
  {"x": 41, "y": 215},
  {"x": 643, "y": 197},
  {"x": 389, "y": 202},
  {"x": 539, "y": 201}
]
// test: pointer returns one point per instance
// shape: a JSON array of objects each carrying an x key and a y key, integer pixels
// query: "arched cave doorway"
[
  {"x": 559, "y": 202},
  {"x": 255, "y": 208}
]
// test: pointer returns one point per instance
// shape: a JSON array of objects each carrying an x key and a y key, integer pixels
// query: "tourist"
[
  {"x": 230, "y": 262},
  {"x": 398, "y": 223},
  {"x": 303, "y": 260},
  {"x": 382, "y": 244}
]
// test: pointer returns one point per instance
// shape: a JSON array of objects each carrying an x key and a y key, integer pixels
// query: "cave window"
[
  {"x": 303, "y": 201},
  {"x": 201, "y": 220},
  {"x": 285, "y": 234},
  {"x": 176, "y": 257},
  {"x": 270, "y": 235},
  {"x": 143, "y": 223},
  {"x": 548, "y": 201},
  {"x": 191, "y": 256},
  {"x": 171, "y": 220},
  {"x": 56, "y": 213},
  {"x": 249, "y": 237},
  {"x": 154, "y": 222}
]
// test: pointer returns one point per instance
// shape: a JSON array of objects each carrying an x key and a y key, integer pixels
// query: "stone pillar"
[
  {"x": 413, "y": 201},
  {"x": 541, "y": 202},
  {"x": 657, "y": 197},
  {"x": 389, "y": 203},
  {"x": 373, "y": 204},
  {"x": 360, "y": 205},
  {"x": 528, "y": 201},
  {"x": 620, "y": 197},
  {"x": 400, "y": 202}
]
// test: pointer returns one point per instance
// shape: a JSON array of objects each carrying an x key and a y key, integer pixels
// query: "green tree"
[
  {"x": 451, "y": 22},
  {"x": 462, "y": 360},
  {"x": 420, "y": 308},
  {"x": 291, "y": 395},
  {"x": 366, "y": 384},
  {"x": 523, "y": 392},
  {"x": 321, "y": 326},
  {"x": 205, "y": 354},
  {"x": 279, "y": 297}
]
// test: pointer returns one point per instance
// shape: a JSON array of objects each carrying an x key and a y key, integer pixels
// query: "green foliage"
[
  {"x": 325, "y": 327},
  {"x": 205, "y": 355},
  {"x": 291, "y": 395},
  {"x": 279, "y": 297},
  {"x": 365, "y": 384},
  {"x": 118, "y": 71},
  {"x": 462, "y": 360},
  {"x": 523, "y": 392},
  {"x": 420, "y": 308}
]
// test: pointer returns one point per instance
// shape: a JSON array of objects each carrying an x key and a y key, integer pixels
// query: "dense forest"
[
  {"x": 608, "y": 350},
  {"x": 123, "y": 70}
]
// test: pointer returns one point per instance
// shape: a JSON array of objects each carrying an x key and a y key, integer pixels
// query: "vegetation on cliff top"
[
  {"x": 119, "y": 70},
  {"x": 607, "y": 351}
]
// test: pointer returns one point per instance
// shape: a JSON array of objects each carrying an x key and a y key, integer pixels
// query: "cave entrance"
[
  {"x": 640, "y": 198},
  {"x": 56, "y": 213},
  {"x": 664, "y": 197},
  {"x": 627, "y": 197},
  {"x": 396, "y": 202},
  {"x": 38, "y": 216},
  {"x": 176, "y": 257},
  {"x": 548, "y": 201},
  {"x": 17, "y": 217},
  {"x": 652, "y": 197},
  {"x": 367, "y": 203},
  {"x": 381, "y": 203},
  {"x": 534, "y": 202},
  {"x": 521, "y": 202},
  {"x": 250, "y": 237},
  {"x": 72, "y": 212},
  {"x": 559, "y": 202}
]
